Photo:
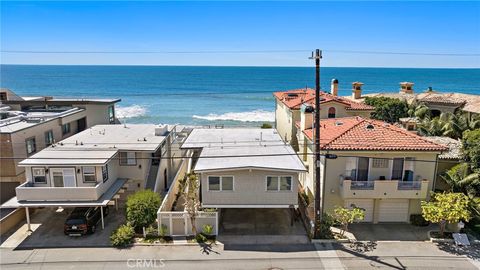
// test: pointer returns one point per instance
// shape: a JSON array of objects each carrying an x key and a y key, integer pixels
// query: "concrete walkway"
[{"x": 390, "y": 232}]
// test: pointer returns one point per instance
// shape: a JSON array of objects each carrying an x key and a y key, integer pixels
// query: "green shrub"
[
  {"x": 266, "y": 125},
  {"x": 142, "y": 207},
  {"x": 324, "y": 231},
  {"x": 418, "y": 220},
  {"x": 200, "y": 238},
  {"x": 162, "y": 231},
  {"x": 122, "y": 236},
  {"x": 207, "y": 229}
]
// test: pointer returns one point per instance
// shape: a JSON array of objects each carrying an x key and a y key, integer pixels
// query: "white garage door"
[
  {"x": 365, "y": 204},
  {"x": 393, "y": 211}
]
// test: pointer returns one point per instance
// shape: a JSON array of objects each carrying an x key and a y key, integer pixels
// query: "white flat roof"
[
  {"x": 238, "y": 148},
  {"x": 52, "y": 156},
  {"x": 132, "y": 137}
]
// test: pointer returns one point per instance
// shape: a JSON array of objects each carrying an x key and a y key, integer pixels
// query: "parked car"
[{"x": 83, "y": 220}]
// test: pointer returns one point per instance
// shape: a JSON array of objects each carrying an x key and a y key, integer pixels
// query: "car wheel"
[{"x": 92, "y": 229}]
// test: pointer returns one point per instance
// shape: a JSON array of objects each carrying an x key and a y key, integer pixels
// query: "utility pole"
[{"x": 318, "y": 210}]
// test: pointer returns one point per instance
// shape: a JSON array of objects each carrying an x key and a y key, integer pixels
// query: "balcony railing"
[
  {"x": 27, "y": 192},
  {"x": 409, "y": 185},
  {"x": 384, "y": 189},
  {"x": 359, "y": 185}
]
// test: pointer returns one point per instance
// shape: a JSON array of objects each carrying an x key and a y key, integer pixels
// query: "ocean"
[{"x": 202, "y": 95}]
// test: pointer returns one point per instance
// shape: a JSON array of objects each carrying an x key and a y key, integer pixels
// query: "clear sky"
[{"x": 433, "y": 27}]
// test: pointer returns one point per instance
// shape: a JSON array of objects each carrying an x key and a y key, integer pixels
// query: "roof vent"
[
  {"x": 338, "y": 123},
  {"x": 370, "y": 127},
  {"x": 292, "y": 95}
]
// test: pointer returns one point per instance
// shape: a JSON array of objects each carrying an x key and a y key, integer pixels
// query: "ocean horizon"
[{"x": 205, "y": 95}]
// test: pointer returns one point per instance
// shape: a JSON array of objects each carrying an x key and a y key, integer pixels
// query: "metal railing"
[
  {"x": 409, "y": 185},
  {"x": 362, "y": 185}
]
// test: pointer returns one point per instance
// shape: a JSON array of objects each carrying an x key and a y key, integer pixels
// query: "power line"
[{"x": 239, "y": 52}]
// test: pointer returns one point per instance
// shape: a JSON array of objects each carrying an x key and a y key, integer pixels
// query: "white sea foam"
[
  {"x": 252, "y": 116},
  {"x": 130, "y": 111}
]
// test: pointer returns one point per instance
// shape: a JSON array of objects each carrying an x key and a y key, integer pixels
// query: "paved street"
[{"x": 386, "y": 255}]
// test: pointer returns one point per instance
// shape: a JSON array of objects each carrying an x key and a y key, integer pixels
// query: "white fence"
[
  {"x": 167, "y": 202},
  {"x": 179, "y": 224}
]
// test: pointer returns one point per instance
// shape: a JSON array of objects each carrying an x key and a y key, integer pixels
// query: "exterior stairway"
[{"x": 152, "y": 177}]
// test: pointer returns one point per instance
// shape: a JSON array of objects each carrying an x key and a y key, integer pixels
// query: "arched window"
[{"x": 331, "y": 112}]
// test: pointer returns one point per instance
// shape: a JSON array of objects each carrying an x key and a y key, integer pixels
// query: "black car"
[{"x": 83, "y": 220}]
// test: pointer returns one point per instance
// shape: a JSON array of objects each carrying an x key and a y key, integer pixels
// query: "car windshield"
[{"x": 75, "y": 221}]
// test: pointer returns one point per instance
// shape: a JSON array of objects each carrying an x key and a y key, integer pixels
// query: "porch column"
[
  {"x": 27, "y": 213},
  {"x": 216, "y": 227},
  {"x": 101, "y": 213}
]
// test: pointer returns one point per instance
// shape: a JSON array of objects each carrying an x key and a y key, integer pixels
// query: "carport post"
[
  {"x": 101, "y": 214},
  {"x": 29, "y": 229}
]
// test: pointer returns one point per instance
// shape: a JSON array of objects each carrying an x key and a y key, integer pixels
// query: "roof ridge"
[{"x": 404, "y": 132}]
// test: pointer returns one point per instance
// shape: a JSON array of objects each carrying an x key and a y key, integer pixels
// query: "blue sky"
[{"x": 434, "y": 27}]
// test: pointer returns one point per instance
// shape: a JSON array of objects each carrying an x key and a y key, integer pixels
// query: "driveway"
[
  {"x": 390, "y": 232},
  {"x": 260, "y": 226},
  {"x": 47, "y": 226}
]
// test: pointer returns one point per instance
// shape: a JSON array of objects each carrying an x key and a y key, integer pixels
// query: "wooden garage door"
[
  {"x": 393, "y": 211},
  {"x": 365, "y": 204}
]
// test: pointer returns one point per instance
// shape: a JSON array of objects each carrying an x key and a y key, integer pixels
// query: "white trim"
[
  {"x": 278, "y": 183},
  {"x": 220, "y": 183},
  {"x": 250, "y": 168},
  {"x": 249, "y": 205}
]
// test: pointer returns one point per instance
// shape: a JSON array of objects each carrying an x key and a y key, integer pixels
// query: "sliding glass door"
[{"x": 63, "y": 177}]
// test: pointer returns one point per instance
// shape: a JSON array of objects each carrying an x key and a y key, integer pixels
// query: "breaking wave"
[
  {"x": 252, "y": 116},
  {"x": 130, "y": 111}
]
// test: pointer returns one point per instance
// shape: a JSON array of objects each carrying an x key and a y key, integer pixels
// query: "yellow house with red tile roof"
[
  {"x": 289, "y": 103},
  {"x": 379, "y": 167}
]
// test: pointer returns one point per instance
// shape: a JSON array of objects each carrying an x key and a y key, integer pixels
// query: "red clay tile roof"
[
  {"x": 295, "y": 98},
  {"x": 357, "y": 133}
]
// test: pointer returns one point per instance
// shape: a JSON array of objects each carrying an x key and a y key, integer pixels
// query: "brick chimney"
[
  {"x": 334, "y": 87},
  {"x": 406, "y": 87},
  {"x": 357, "y": 90}
]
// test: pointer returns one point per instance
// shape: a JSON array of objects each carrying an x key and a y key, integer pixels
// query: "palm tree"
[{"x": 461, "y": 179}]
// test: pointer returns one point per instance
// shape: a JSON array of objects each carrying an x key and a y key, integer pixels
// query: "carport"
[
  {"x": 108, "y": 198},
  {"x": 260, "y": 221}
]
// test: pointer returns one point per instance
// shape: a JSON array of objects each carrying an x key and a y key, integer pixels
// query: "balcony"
[
  {"x": 384, "y": 189},
  {"x": 28, "y": 192}
]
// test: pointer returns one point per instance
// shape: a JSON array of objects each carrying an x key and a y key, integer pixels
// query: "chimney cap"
[
  {"x": 335, "y": 81},
  {"x": 406, "y": 83},
  {"x": 357, "y": 83}
]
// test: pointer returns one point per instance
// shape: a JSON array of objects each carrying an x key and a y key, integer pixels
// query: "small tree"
[
  {"x": 345, "y": 216},
  {"x": 446, "y": 207},
  {"x": 192, "y": 202},
  {"x": 142, "y": 207},
  {"x": 388, "y": 109}
]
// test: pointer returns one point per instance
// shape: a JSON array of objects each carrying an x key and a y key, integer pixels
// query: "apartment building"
[
  {"x": 288, "y": 105},
  {"x": 373, "y": 165},
  {"x": 89, "y": 168},
  {"x": 30, "y": 124}
]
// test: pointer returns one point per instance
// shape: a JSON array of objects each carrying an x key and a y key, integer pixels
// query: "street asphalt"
[{"x": 385, "y": 255}]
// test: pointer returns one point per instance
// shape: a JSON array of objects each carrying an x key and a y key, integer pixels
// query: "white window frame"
[
  {"x": 44, "y": 175},
  {"x": 105, "y": 173},
  {"x": 278, "y": 183},
  {"x": 49, "y": 142},
  {"x": 221, "y": 183},
  {"x": 34, "y": 145},
  {"x": 89, "y": 174},
  {"x": 127, "y": 159}
]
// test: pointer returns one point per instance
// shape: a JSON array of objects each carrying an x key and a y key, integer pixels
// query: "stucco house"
[
  {"x": 30, "y": 124},
  {"x": 288, "y": 104},
  {"x": 91, "y": 167},
  {"x": 376, "y": 166},
  {"x": 245, "y": 170}
]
